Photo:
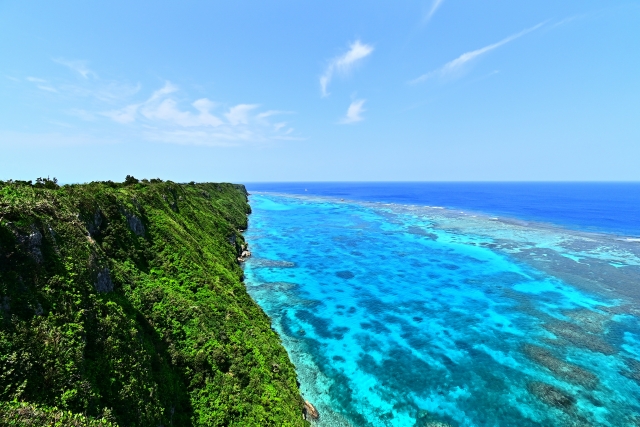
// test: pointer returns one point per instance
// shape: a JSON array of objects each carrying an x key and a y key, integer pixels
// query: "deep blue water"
[
  {"x": 402, "y": 314},
  {"x": 607, "y": 207}
]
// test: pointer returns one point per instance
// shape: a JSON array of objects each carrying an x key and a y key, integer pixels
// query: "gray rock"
[
  {"x": 5, "y": 305},
  {"x": 94, "y": 225},
  {"x": 34, "y": 241},
  {"x": 103, "y": 282},
  {"x": 310, "y": 411},
  {"x": 135, "y": 224},
  {"x": 31, "y": 242}
]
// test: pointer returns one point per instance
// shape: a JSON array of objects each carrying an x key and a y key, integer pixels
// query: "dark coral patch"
[
  {"x": 321, "y": 325},
  {"x": 560, "y": 368},
  {"x": 579, "y": 337},
  {"x": 345, "y": 274},
  {"x": 552, "y": 396}
]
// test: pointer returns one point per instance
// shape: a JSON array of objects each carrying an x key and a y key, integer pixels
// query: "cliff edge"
[{"x": 123, "y": 304}]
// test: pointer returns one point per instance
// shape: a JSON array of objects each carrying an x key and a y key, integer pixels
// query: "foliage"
[
  {"x": 24, "y": 414},
  {"x": 46, "y": 183},
  {"x": 125, "y": 303},
  {"x": 130, "y": 180}
]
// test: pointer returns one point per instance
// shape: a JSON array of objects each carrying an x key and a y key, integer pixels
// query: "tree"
[{"x": 130, "y": 180}]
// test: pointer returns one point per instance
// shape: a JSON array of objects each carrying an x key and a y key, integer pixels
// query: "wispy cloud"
[
  {"x": 354, "y": 112},
  {"x": 166, "y": 115},
  {"x": 270, "y": 113},
  {"x": 455, "y": 66},
  {"x": 568, "y": 19},
  {"x": 123, "y": 115},
  {"x": 162, "y": 119},
  {"x": 344, "y": 63},
  {"x": 78, "y": 66},
  {"x": 82, "y": 114},
  {"x": 106, "y": 91},
  {"x": 434, "y": 7},
  {"x": 41, "y": 84},
  {"x": 89, "y": 85}
]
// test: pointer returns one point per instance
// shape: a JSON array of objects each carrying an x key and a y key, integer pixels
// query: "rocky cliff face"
[{"x": 125, "y": 303}]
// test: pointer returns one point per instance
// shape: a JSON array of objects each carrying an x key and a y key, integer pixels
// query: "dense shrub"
[
  {"x": 25, "y": 414},
  {"x": 125, "y": 304}
]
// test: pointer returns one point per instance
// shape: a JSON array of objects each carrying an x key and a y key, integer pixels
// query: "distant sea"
[
  {"x": 598, "y": 206},
  {"x": 454, "y": 304}
]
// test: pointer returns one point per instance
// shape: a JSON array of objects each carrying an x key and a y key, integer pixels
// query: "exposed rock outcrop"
[
  {"x": 32, "y": 241},
  {"x": 245, "y": 252},
  {"x": 135, "y": 224},
  {"x": 310, "y": 411},
  {"x": 93, "y": 225},
  {"x": 103, "y": 282}
]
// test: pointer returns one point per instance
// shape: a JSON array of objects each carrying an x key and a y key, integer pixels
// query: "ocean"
[{"x": 441, "y": 304}]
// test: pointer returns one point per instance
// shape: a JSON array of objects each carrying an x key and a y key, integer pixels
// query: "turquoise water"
[{"x": 398, "y": 315}]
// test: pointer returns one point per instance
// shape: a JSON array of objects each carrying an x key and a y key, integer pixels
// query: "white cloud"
[
  {"x": 270, "y": 113},
  {"x": 47, "y": 88},
  {"x": 164, "y": 120},
  {"x": 456, "y": 65},
  {"x": 165, "y": 115},
  {"x": 354, "y": 112},
  {"x": 124, "y": 115},
  {"x": 78, "y": 66},
  {"x": 167, "y": 110},
  {"x": 159, "y": 108},
  {"x": 240, "y": 114},
  {"x": 165, "y": 90},
  {"x": 434, "y": 7},
  {"x": 344, "y": 63}
]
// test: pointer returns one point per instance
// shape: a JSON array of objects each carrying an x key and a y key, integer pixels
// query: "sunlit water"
[{"x": 415, "y": 316}]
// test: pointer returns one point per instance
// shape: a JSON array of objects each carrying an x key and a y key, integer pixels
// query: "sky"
[{"x": 250, "y": 91}]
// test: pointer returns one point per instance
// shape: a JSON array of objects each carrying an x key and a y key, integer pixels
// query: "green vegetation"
[
  {"x": 21, "y": 414},
  {"x": 123, "y": 304}
]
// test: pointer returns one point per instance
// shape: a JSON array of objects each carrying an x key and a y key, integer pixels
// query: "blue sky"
[{"x": 250, "y": 91}]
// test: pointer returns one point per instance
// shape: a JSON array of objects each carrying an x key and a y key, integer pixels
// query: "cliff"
[{"x": 123, "y": 304}]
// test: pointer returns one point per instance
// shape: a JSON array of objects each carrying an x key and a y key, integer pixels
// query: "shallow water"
[{"x": 404, "y": 315}]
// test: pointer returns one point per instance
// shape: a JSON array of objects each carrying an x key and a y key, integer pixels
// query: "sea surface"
[{"x": 454, "y": 304}]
